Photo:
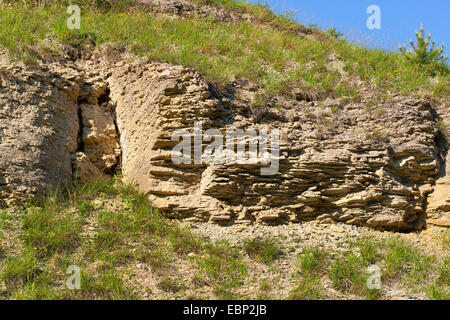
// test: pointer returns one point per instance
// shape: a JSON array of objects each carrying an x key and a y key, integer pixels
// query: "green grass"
[
  {"x": 33, "y": 291},
  {"x": 172, "y": 285},
  {"x": 108, "y": 285},
  {"x": 434, "y": 292},
  {"x": 263, "y": 249},
  {"x": 308, "y": 288},
  {"x": 348, "y": 274},
  {"x": 346, "y": 271},
  {"x": 399, "y": 261},
  {"x": 100, "y": 4},
  {"x": 73, "y": 229},
  {"x": 265, "y": 285},
  {"x": 223, "y": 266},
  {"x": 368, "y": 249},
  {"x": 113, "y": 229},
  {"x": 444, "y": 272},
  {"x": 312, "y": 260},
  {"x": 45, "y": 231},
  {"x": 20, "y": 269},
  {"x": 401, "y": 257},
  {"x": 106, "y": 228},
  {"x": 271, "y": 57},
  {"x": 440, "y": 288},
  {"x": 84, "y": 208},
  {"x": 446, "y": 240},
  {"x": 183, "y": 242},
  {"x": 156, "y": 255}
]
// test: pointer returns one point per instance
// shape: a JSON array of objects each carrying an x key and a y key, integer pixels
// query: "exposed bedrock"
[
  {"x": 38, "y": 132},
  {"x": 438, "y": 202},
  {"x": 54, "y": 127},
  {"x": 338, "y": 161}
]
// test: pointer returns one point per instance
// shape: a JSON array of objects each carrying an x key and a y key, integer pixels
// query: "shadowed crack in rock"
[{"x": 98, "y": 144}]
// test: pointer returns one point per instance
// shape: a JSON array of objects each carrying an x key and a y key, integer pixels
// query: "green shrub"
[{"x": 424, "y": 57}]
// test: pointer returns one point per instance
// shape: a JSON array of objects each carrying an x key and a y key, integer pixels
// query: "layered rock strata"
[{"x": 338, "y": 160}]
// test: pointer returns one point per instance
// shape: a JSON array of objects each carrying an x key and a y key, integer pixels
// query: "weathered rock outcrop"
[
  {"x": 325, "y": 173},
  {"x": 51, "y": 129},
  {"x": 38, "y": 132},
  {"x": 438, "y": 206},
  {"x": 339, "y": 161}
]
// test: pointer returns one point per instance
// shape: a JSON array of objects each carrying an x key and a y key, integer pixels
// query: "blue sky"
[{"x": 399, "y": 19}]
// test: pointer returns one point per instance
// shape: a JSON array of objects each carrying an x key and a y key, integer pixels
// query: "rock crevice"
[{"x": 98, "y": 144}]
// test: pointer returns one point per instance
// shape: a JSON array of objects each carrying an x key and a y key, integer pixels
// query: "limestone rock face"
[
  {"x": 438, "y": 206},
  {"x": 99, "y": 136},
  {"x": 439, "y": 203},
  {"x": 338, "y": 161},
  {"x": 52, "y": 129},
  {"x": 38, "y": 132},
  {"x": 351, "y": 165},
  {"x": 83, "y": 169}
]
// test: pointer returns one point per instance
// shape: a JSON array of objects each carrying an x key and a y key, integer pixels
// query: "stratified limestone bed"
[
  {"x": 438, "y": 202},
  {"x": 340, "y": 162}
]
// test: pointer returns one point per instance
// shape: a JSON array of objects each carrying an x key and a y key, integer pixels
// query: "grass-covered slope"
[
  {"x": 125, "y": 249},
  {"x": 271, "y": 54}
]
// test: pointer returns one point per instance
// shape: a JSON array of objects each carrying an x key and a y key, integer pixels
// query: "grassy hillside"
[
  {"x": 273, "y": 54},
  {"x": 126, "y": 250}
]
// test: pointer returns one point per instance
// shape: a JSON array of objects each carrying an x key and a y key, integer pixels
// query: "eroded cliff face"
[
  {"x": 438, "y": 202},
  {"x": 55, "y": 125},
  {"x": 342, "y": 161},
  {"x": 38, "y": 132}
]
